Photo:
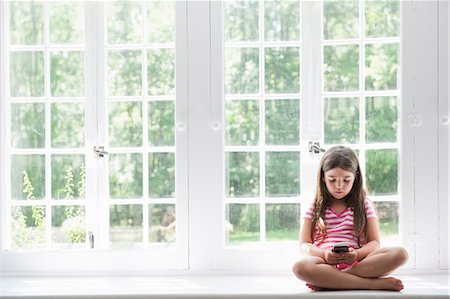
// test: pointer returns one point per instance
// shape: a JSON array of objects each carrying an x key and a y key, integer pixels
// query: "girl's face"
[{"x": 339, "y": 182}]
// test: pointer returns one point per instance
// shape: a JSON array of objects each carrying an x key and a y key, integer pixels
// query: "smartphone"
[{"x": 340, "y": 247}]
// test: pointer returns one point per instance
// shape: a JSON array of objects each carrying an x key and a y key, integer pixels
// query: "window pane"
[
  {"x": 160, "y": 21},
  {"x": 124, "y": 73},
  {"x": 125, "y": 223},
  {"x": 125, "y": 124},
  {"x": 27, "y": 125},
  {"x": 241, "y": 20},
  {"x": 242, "y": 174},
  {"x": 382, "y": 18},
  {"x": 124, "y": 22},
  {"x": 26, "y": 23},
  {"x": 381, "y": 119},
  {"x": 66, "y": 22},
  {"x": 341, "y": 68},
  {"x": 382, "y": 171},
  {"x": 69, "y": 225},
  {"x": 242, "y": 223},
  {"x": 388, "y": 215},
  {"x": 282, "y": 222},
  {"x": 67, "y": 125},
  {"x": 281, "y": 19},
  {"x": 161, "y": 123},
  {"x": 67, "y": 74},
  {"x": 241, "y": 70},
  {"x": 28, "y": 176},
  {"x": 242, "y": 122},
  {"x": 27, "y": 227},
  {"x": 282, "y": 174},
  {"x": 68, "y": 177},
  {"x": 161, "y": 175},
  {"x": 382, "y": 66},
  {"x": 282, "y": 122},
  {"x": 341, "y": 19},
  {"x": 162, "y": 223},
  {"x": 27, "y": 74},
  {"x": 125, "y": 175},
  {"x": 282, "y": 70},
  {"x": 161, "y": 71},
  {"x": 341, "y": 120}
]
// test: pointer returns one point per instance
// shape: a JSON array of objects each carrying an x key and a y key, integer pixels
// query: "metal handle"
[
  {"x": 100, "y": 151},
  {"x": 314, "y": 147}
]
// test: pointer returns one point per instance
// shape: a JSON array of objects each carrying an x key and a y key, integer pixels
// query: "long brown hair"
[{"x": 346, "y": 159}]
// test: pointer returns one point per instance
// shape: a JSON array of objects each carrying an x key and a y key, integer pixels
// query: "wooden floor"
[{"x": 430, "y": 285}]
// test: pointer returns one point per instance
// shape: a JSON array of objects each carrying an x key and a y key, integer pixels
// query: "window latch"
[
  {"x": 100, "y": 151},
  {"x": 314, "y": 147},
  {"x": 91, "y": 239}
]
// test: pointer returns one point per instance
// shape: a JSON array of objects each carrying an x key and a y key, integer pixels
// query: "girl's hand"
[
  {"x": 351, "y": 256},
  {"x": 334, "y": 258}
]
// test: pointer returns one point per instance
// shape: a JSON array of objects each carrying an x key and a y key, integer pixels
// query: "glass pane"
[
  {"x": 341, "y": 68},
  {"x": 242, "y": 174},
  {"x": 161, "y": 71},
  {"x": 68, "y": 177},
  {"x": 67, "y": 125},
  {"x": 66, "y": 22},
  {"x": 282, "y": 70},
  {"x": 124, "y": 22},
  {"x": 241, "y": 70},
  {"x": 125, "y": 124},
  {"x": 282, "y": 174},
  {"x": 282, "y": 122},
  {"x": 161, "y": 123},
  {"x": 381, "y": 119},
  {"x": 162, "y": 223},
  {"x": 27, "y": 74},
  {"x": 161, "y": 175},
  {"x": 382, "y": 171},
  {"x": 242, "y": 223},
  {"x": 27, "y": 125},
  {"x": 382, "y": 18},
  {"x": 125, "y": 175},
  {"x": 341, "y": 19},
  {"x": 341, "y": 120},
  {"x": 388, "y": 212},
  {"x": 27, "y": 227},
  {"x": 282, "y": 222},
  {"x": 241, "y": 122},
  {"x": 67, "y": 74},
  {"x": 68, "y": 224},
  {"x": 382, "y": 66},
  {"x": 281, "y": 20},
  {"x": 160, "y": 21},
  {"x": 241, "y": 20},
  {"x": 26, "y": 23},
  {"x": 125, "y": 223},
  {"x": 125, "y": 73},
  {"x": 28, "y": 176}
]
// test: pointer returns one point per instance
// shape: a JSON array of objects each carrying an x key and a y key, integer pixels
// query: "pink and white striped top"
[{"x": 339, "y": 227}]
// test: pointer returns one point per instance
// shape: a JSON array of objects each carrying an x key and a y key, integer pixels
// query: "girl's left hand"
[{"x": 351, "y": 256}]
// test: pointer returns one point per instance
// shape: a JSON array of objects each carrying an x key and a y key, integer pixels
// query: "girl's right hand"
[{"x": 334, "y": 258}]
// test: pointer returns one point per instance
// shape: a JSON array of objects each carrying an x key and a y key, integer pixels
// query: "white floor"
[{"x": 435, "y": 285}]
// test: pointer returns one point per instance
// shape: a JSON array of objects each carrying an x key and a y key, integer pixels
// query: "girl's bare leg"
[
  {"x": 379, "y": 263},
  {"x": 319, "y": 275}
]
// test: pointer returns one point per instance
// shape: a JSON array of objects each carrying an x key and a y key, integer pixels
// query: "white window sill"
[{"x": 417, "y": 285}]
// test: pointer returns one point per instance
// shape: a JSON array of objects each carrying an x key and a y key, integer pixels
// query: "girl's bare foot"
[
  {"x": 316, "y": 288},
  {"x": 389, "y": 284}
]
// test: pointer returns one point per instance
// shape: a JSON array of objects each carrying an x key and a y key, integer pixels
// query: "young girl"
[{"x": 342, "y": 213}]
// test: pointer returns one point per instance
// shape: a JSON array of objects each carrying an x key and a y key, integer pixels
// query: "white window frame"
[{"x": 424, "y": 171}]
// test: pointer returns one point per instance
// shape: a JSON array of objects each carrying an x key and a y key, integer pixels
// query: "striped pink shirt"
[{"x": 339, "y": 227}]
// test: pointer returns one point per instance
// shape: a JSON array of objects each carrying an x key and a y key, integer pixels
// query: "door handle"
[{"x": 100, "y": 151}]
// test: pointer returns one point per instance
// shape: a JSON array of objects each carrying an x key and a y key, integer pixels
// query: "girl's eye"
[{"x": 347, "y": 181}]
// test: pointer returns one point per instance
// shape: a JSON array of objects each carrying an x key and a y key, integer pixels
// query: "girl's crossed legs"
[{"x": 367, "y": 274}]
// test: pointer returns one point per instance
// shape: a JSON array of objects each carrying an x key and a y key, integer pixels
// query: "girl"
[{"x": 342, "y": 213}]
